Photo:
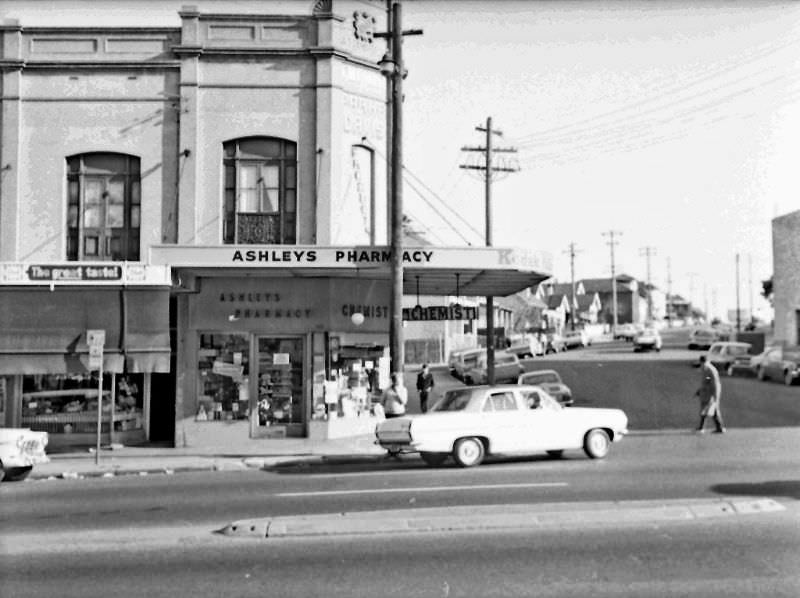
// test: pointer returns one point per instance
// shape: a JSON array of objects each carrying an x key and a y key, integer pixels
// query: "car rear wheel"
[
  {"x": 16, "y": 474},
  {"x": 729, "y": 370},
  {"x": 556, "y": 454},
  {"x": 788, "y": 379},
  {"x": 468, "y": 452},
  {"x": 433, "y": 459},
  {"x": 760, "y": 373},
  {"x": 596, "y": 443}
]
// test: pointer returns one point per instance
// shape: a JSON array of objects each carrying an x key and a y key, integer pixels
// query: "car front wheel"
[
  {"x": 761, "y": 374},
  {"x": 788, "y": 378},
  {"x": 729, "y": 370},
  {"x": 596, "y": 443},
  {"x": 468, "y": 452},
  {"x": 16, "y": 474},
  {"x": 433, "y": 459}
]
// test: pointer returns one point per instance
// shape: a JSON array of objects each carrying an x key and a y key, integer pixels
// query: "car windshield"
[
  {"x": 546, "y": 378},
  {"x": 456, "y": 400}
]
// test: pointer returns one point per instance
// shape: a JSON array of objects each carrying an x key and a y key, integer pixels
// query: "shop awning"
[
  {"x": 445, "y": 271},
  {"x": 43, "y": 331}
]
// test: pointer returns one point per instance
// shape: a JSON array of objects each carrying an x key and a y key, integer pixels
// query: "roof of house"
[
  {"x": 555, "y": 301},
  {"x": 603, "y": 285},
  {"x": 586, "y": 301}
]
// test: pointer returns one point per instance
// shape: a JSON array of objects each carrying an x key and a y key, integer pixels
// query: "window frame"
[
  {"x": 80, "y": 174},
  {"x": 236, "y": 157}
]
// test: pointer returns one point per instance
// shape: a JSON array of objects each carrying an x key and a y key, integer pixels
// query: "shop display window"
[
  {"x": 223, "y": 393},
  {"x": 67, "y": 403}
]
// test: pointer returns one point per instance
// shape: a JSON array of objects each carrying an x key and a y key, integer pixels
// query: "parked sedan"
[
  {"x": 626, "y": 332},
  {"x": 702, "y": 338},
  {"x": 780, "y": 363},
  {"x": 507, "y": 368},
  {"x": 20, "y": 450},
  {"x": 550, "y": 381},
  {"x": 576, "y": 338},
  {"x": 647, "y": 339},
  {"x": 727, "y": 356},
  {"x": 471, "y": 423}
]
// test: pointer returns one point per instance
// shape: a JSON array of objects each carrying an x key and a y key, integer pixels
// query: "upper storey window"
[
  {"x": 260, "y": 191},
  {"x": 104, "y": 207}
]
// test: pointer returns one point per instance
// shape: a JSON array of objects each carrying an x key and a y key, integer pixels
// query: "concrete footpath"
[{"x": 145, "y": 460}]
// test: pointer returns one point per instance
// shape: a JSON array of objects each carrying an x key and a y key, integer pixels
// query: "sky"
[{"x": 674, "y": 124}]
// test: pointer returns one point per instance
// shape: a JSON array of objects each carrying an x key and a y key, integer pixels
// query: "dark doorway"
[{"x": 162, "y": 389}]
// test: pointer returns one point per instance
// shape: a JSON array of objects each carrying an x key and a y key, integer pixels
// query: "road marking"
[{"x": 424, "y": 489}]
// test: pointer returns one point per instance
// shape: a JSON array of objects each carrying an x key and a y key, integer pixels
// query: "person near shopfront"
[
  {"x": 424, "y": 387},
  {"x": 710, "y": 392},
  {"x": 395, "y": 398}
]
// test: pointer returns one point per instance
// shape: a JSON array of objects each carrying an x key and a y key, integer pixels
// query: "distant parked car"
[
  {"x": 526, "y": 348},
  {"x": 555, "y": 344},
  {"x": 626, "y": 332},
  {"x": 724, "y": 356},
  {"x": 507, "y": 368},
  {"x": 703, "y": 338},
  {"x": 780, "y": 363},
  {"x": 460, "y": 361},
  {"x": 20, "y": 450},
  {"x": 647, "y": 339},
  {"x": 576, "y": 338},
  {"x": 469, "y": 423},
  {"x": 551, "y": 382}
]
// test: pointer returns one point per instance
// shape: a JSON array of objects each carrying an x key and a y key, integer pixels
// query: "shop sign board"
[
  {"x": 68, "y": 272},
  {"x": 95, "y": 339},
  {"x": 419, "y": 313}
]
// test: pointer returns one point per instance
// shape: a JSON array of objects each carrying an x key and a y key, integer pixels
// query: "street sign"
[{"x": 96, "y": 338}]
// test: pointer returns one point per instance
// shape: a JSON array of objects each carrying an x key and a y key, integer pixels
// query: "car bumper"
[{"x": 23, "y": 460}]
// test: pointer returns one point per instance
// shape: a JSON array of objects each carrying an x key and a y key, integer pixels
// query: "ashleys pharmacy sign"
[{"x": 315, "y": 256}]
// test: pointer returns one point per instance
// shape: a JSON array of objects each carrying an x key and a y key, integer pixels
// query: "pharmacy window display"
[
  {"x": 280, "y": 384},
  {"x": 223, "y": 367}
]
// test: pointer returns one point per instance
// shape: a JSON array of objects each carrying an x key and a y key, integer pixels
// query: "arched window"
[
  {"x": 103, "y": 207},
  {"x": 260, "y": 191}
]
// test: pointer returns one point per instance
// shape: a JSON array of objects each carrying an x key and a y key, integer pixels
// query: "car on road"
[
  {"x": 20, "y": 450},
  {"x": 779, "y": 363},
  {"x": 551, "y": 382},
  {"x": 703, "y": 338},
  {"x": 507, "y": 368},
  {"x": 648, "y": 339},
  {"x": 555, "y": 344},
  {"x": 471, "y": 423},
  {"x": 576, "y": 338},
  {"x": 724, "y": 356},
  {"x": 526, "y": 348},
  {"x": 626, "y": 332},
  {"x": 460, "y": 361}
]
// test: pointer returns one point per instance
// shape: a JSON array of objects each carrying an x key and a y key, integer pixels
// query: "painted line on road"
[{"x": 424, "y": 489}]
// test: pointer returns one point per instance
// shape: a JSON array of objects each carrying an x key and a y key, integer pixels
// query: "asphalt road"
[{"x": 746, "y": 556}]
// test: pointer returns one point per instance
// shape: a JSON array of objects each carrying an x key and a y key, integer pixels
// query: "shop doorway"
[{"x": 280, "y": 397}]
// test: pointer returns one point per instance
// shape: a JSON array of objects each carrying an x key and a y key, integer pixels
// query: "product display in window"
[{"x": 223, "y": 381}]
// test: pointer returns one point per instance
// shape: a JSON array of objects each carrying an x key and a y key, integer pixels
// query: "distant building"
[{"x": 786, "y": 277}]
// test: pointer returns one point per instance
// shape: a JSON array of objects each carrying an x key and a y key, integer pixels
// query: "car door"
[
  {"x": 538, "y": 425},
  {"x": 500, "y": 420}
]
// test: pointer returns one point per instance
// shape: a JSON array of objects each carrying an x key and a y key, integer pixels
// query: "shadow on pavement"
[
  {"x": 344, "y": 465},
  {"x": 786, "y": 488}
]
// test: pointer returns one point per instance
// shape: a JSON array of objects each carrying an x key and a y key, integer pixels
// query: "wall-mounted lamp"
[
  {"x": 186, "y": 153},
  {"x": 233, "y": 318},
  {"x": 357, "y": 318}
]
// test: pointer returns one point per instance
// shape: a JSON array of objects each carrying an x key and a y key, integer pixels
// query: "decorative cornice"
[{"x": 98, "y": 64}]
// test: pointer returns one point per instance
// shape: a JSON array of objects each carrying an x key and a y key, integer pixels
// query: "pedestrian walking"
[
  {"x": 395, "y": 397},
  {"x": 709, "y": 393},
  {"x": 424, "y": 387}
]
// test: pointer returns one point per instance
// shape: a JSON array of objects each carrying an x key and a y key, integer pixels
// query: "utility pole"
[
  {"x": 670, "y": 304},
  {"x": 738, "y": 311},
  {"x": 392, "y": 66},
  {"x": 692, "y": 276},
  {"x": 488, "y": 170},
  {"x": 750, "y": 286},
  {"x": 612, "y": 243},
  {"x": 648, "y": 252},
  {"x": 572, "y": 253}
]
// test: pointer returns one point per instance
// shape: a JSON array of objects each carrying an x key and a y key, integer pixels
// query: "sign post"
[{"x": 96, "y": 339}]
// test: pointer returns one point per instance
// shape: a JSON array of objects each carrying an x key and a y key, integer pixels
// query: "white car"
[
  {"x": 471, "y": 423},
  {"x": 20, "y": 450},
  {"x": 576, "y": 338},
  {"x": 647, "y": 339}
]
